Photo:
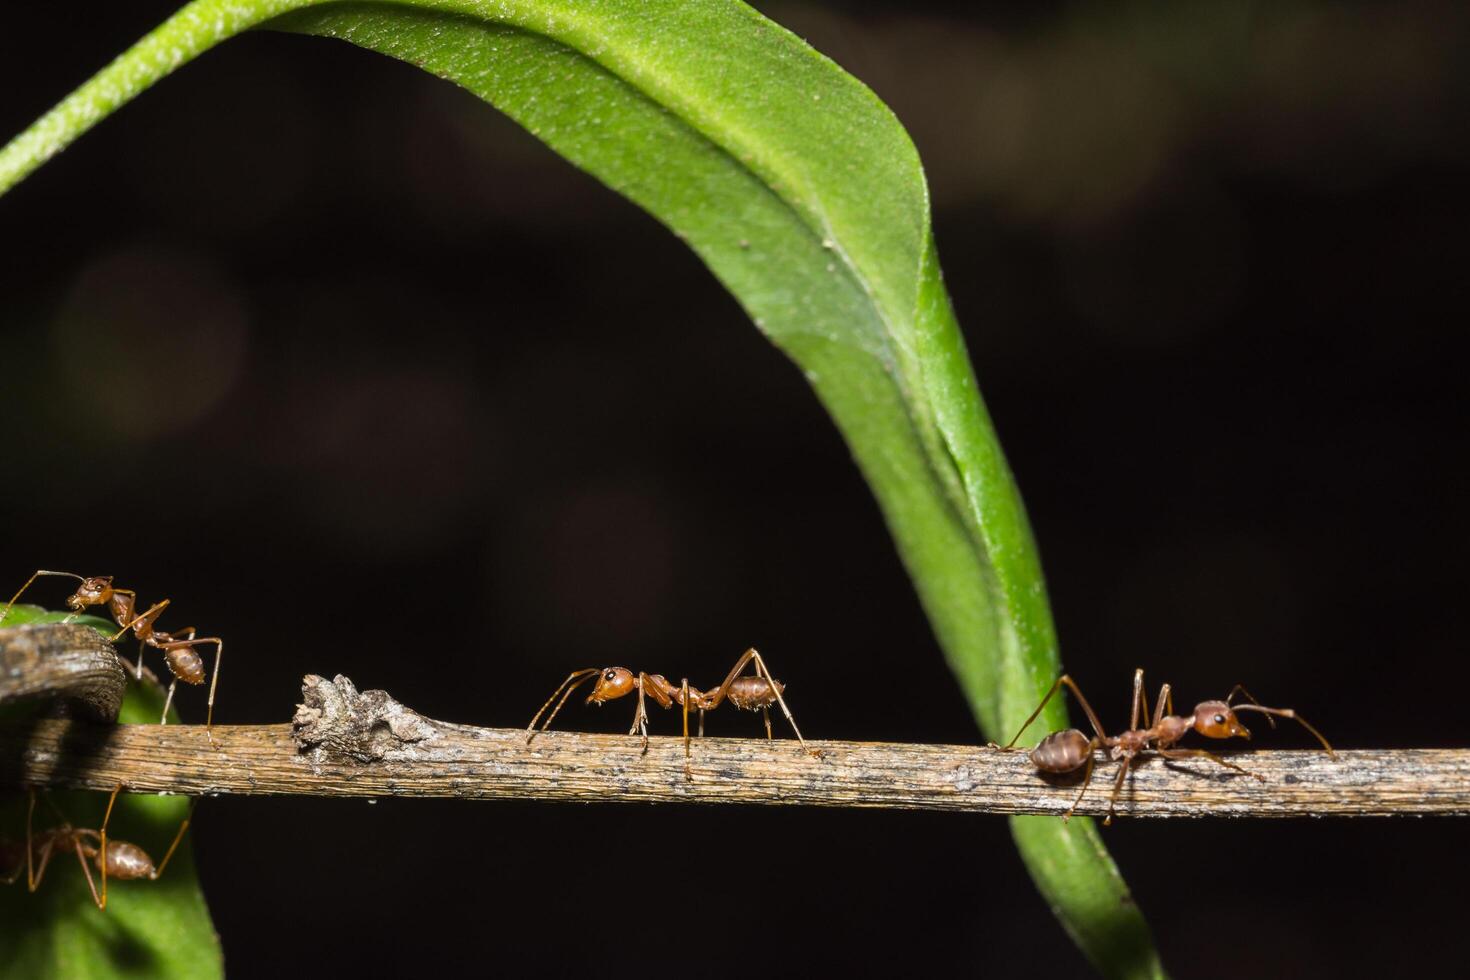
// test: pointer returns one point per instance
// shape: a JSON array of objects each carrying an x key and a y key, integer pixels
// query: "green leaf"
[
  {"x": 150, "y": 928},
  {"x": 804, "y": 196},
  {"x": 22, "y": 614}
]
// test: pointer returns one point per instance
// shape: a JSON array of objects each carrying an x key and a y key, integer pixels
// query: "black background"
[{"x": 369, "y": 382}]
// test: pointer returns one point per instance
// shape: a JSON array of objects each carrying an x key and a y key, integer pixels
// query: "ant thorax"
[
  {"x": 1131, "y": 742},
  {"x": 1171, "y": 728}
]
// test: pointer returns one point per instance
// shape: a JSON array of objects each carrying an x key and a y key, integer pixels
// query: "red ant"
[
  {"x": 115, "y": 858},
  {"x": 1070, "y": 750},
  {"x": 753, "y": 693},
  {"x": 178, "y": 651}
]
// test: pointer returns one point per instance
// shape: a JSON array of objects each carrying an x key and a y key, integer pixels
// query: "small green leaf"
[{"x": 22, "y": 614}]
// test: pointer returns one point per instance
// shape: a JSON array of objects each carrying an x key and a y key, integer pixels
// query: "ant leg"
[
  {"x": 219, "y": 652},
  {"x": 1072, "y": 686},
  {"x": 142, "y": 619},
  {"x": 1138, "y": 700},
  {"x": 718, "y": 696},
  {"x": 767, "y": 712},
  {"x": 657, "y": 687},
  {"x": 32, "y": 879},
  {"x": 102, "y": 833},
  {"x": 1086, "y": 781},
  {"x": 1202, "y": 754},
  {"x": 1055, "y": 685},
  {"x": 701, "y": 723},
  {"x": 1287, "y": 713},
  {"x": 762, "y": 670},
  {"x": 39, "y": 572},
  {"x": 640, "y": 716},
  {"x": 34, "y": 875},
  {"x": 34, "y": 882},
  {"x": 168, "y": 701},
  {"x": 1166, "y": 701},
  {"x": 183, "y": 827},
  {"x": 92, "y": 885},
  {"x": 1117, "y": 788},
  {"x": 580, "y": 677},
  {"x": 684, "y": 702}
]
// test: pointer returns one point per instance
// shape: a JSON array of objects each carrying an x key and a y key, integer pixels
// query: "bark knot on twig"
[{"x": 336, "y": 719}]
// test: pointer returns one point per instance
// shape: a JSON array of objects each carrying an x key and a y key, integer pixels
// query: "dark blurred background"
[{"x": 368, "y": 381}]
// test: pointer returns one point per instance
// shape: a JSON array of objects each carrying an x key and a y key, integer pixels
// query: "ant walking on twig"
[
  {"x": 1070, "y": 750},
  {"x": 183, "y": 660},
  {"x": 113, "y": 858},
  {"x": 752, "y": 693}
]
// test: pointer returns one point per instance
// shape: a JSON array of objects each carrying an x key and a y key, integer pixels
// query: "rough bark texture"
[
  {"x": 72, "y": 665},
  {"x": 349, "y": 743},
  {"x": 346, "y": 743}
]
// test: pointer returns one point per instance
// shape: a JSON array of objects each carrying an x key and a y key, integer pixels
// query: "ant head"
[
  {"x": 92, "y": 592},
  {"x": 612, "y": 683},
  {"x": 1215, "y": 719}
]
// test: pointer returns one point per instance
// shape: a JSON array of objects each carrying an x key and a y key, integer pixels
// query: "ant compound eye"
[
  {"x": 610, "y": 674},
  {"x": 1219, "y": 719}
]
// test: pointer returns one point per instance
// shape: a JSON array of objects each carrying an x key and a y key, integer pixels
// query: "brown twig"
[
  {"x": 65, "y": 662},
  {"x": 344, "y": 743}
]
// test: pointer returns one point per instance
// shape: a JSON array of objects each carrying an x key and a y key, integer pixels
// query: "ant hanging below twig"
[
  {"x": 753, "y": 693},
  {"x": 178, "y": 650},
  {"x": 113, "y": 858},
  {"x": 1070, "y": 750}
]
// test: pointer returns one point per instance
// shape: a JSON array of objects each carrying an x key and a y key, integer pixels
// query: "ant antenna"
[
  {"x": 580, "y": 677},
  {"x": 1287, "y": 713},
  {"x": 1240, "y": 689},
  {"x": 6, "y": 611}
]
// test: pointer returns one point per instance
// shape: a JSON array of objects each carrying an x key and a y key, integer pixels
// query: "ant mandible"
[
  {"x": 113, "y": 858},
  {"x": 1070, "y": 750},
  {"x": 753, "y": 693},
  {"x": 178, "y": 650}
]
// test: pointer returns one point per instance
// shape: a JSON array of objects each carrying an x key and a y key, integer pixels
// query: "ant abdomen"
[
  {"x": 185, "y": 664},
  {"x": 753, "y": 693},
  {"x": 127, "y": 861},
  {"x": 1062, "y": 751}
]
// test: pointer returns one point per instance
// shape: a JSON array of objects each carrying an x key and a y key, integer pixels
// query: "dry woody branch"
[{"x": 365, "y": 744}]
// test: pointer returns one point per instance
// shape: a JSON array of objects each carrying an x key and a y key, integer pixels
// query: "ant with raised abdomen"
[
  {"x": 754, "y": 693},
  {"x": 1070, "y": 750},
  {"x": 178, "y": 650},
  {"x": 113, "y": 858}
]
